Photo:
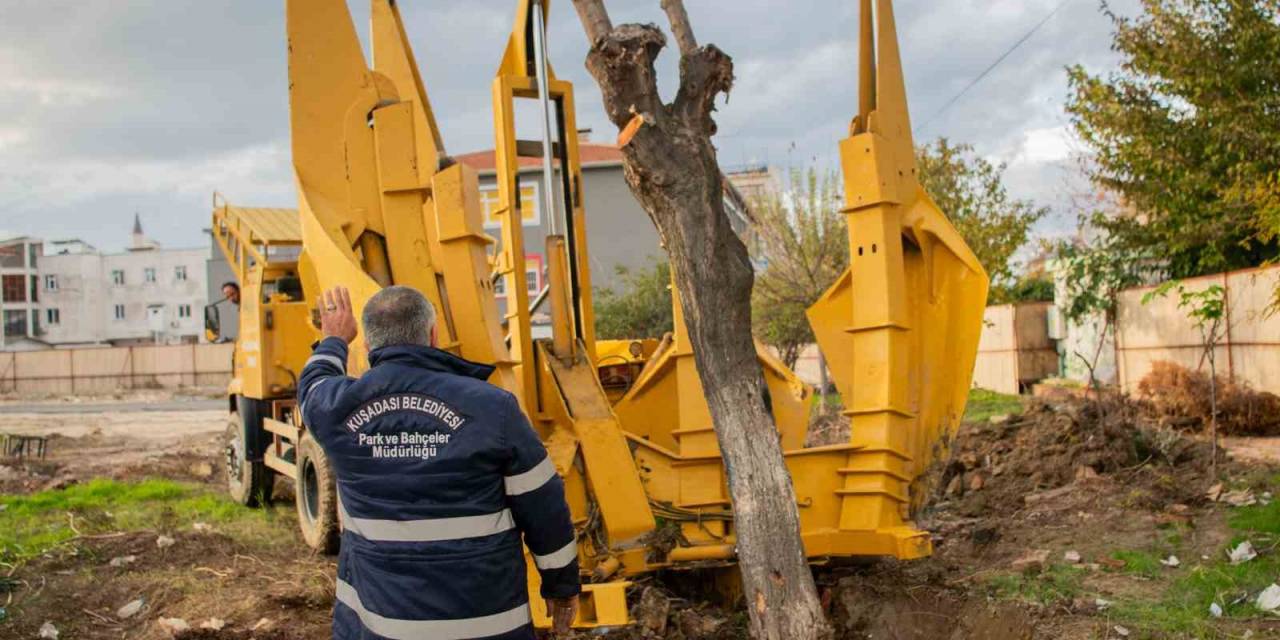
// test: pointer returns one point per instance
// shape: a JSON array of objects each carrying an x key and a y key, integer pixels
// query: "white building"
[{"x": 146, "y": 295}]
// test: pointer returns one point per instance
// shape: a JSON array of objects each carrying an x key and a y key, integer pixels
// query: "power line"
[{"x": 988, "y": 70}]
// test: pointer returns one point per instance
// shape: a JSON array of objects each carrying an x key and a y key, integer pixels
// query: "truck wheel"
[
  {"x": 246, "y": 480},
  {"x": 316, "y": 497}
]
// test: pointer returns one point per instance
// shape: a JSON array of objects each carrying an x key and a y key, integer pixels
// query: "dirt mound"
[
  {"x": 999, "y": 466},
  {"x": 1178, "y": 397}
]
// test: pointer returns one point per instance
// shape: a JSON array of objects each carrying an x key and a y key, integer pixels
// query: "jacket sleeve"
[
  {"x": 323, "y": 379},
  {"x": 535, "y": 494}
]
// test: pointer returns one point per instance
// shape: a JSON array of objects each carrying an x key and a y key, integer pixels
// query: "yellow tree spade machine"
[{"x": 380, "y": 203}]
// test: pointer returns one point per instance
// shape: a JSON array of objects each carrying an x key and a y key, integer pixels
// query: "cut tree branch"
[
  {"x": 680, "y": 26},
  {"x": 594, "y": 17}
]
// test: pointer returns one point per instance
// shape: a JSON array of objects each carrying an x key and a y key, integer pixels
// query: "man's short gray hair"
[{"x": 398, "y": 315}]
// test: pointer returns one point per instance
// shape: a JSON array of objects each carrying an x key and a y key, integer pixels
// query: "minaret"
[{"x": 140, "y": 240}]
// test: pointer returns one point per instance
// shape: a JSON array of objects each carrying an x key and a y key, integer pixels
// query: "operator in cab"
[
  {"x": 228, "y": 323},
  {"x": 440, "y": 479}
]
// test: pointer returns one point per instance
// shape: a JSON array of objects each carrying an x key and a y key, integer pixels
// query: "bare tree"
[{"x": 671, "y": 167}]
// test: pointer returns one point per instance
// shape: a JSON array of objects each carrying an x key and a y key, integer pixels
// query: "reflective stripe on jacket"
[{"x": 440, "y": 478}]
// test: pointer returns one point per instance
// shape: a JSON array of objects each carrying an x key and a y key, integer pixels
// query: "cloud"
[{"x": 151, "y": 104}]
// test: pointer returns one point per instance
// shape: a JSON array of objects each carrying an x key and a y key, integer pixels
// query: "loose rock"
[
  {"x": 123, "y": 560},
  {"x": 213, "y": 624},
  {"x": 173, "y": 626},
  {"x": 1031, "y": 562}
]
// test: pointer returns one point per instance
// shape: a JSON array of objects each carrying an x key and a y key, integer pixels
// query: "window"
[
  {"x": 529, "y": 205},
  {"x": 531, "y": 281},
  {"x": 180, "y": 273},
  {"x": 149, "y": 274},
  {"x": 15, "y": 288},
  {"x": 117, "y": 277},
  {"x": 52, "y": 317},
  {"x": 35, "y": 289},
  {"x": 184, "y": 311},
  {"x": 119, "y": 312},
  {"x": 11, "y": 256},
  {"x": 51, "y": 282},
  {"x": 15, "y": 322}
]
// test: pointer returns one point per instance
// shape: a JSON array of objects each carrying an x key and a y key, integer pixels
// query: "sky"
[{"x": 110, "y": 109}]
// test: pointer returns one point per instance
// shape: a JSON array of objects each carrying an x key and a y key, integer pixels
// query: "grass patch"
[
  {"x": 1141, "y": 563},
  {"x": 33, "y": 524},
  {"x": 1056, "y": 584},
  {"x": 829, "y": 401},
  {"x": 1182, "y": 610},
  {"x": 1257, "y": 519},
  {"x": 984, "y": 404}
]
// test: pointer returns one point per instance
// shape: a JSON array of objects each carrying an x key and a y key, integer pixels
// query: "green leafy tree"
[
  {"x": 1028, "y": 289},
  {"x": 1093, "y": 277},
  {"x": 1187, "y": 131},
  {"x": 803, "y": 241},
  {"x": 970, "y": 191},
  {"x": 640, "y": 309}
]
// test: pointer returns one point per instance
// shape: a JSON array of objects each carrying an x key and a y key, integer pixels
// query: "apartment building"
[
  {"x": 144, "y": 295},
  {"x": 19, "y": 294}
]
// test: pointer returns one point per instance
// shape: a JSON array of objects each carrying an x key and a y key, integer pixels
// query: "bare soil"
[
  {"x": 116, "y": 444},
  {"x": 1074, "y": 476}
]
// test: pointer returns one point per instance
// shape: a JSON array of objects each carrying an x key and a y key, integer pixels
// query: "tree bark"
[{"x": 671, "y": 167}]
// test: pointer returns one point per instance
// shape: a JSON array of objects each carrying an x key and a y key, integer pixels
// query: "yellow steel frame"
[
  {"x": 901, "y": 326},
  {"x": 272, "y": 344},
  {"x": 380, "y": 205}
]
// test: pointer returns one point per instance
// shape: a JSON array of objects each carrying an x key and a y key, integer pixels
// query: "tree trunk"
[{"x": 671, "y": 167}]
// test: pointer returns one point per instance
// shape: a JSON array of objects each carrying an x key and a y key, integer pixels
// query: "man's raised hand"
[
  {"x": 336, "y": 318},
  {"x": 562, "y": 612}
]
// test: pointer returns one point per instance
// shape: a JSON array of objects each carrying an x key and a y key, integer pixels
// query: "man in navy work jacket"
[{"x": 439, "y": 477}]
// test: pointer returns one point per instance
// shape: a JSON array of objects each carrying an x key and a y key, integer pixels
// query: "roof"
[
  {"x": 588, "y": 154},
  {"x": 272, "y": 226}
]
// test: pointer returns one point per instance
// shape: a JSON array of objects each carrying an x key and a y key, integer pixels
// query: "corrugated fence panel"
[
  {"x": 102, "y": 370},
  {"x": 996, "y": 371},
  {"x": 108, "y": 369},
  {"x": 997, "y": 330},
  {"x": 42, "y": 372},
  {"x": 1255, "y": 327},
  {"x": 1160, "y": 331},
  {"x": 1015, "y": 348}
]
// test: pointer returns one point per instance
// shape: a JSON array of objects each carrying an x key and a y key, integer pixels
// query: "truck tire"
[
  {"x": 248, "y": 481},
  {"x": 316, "y": 497}
]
